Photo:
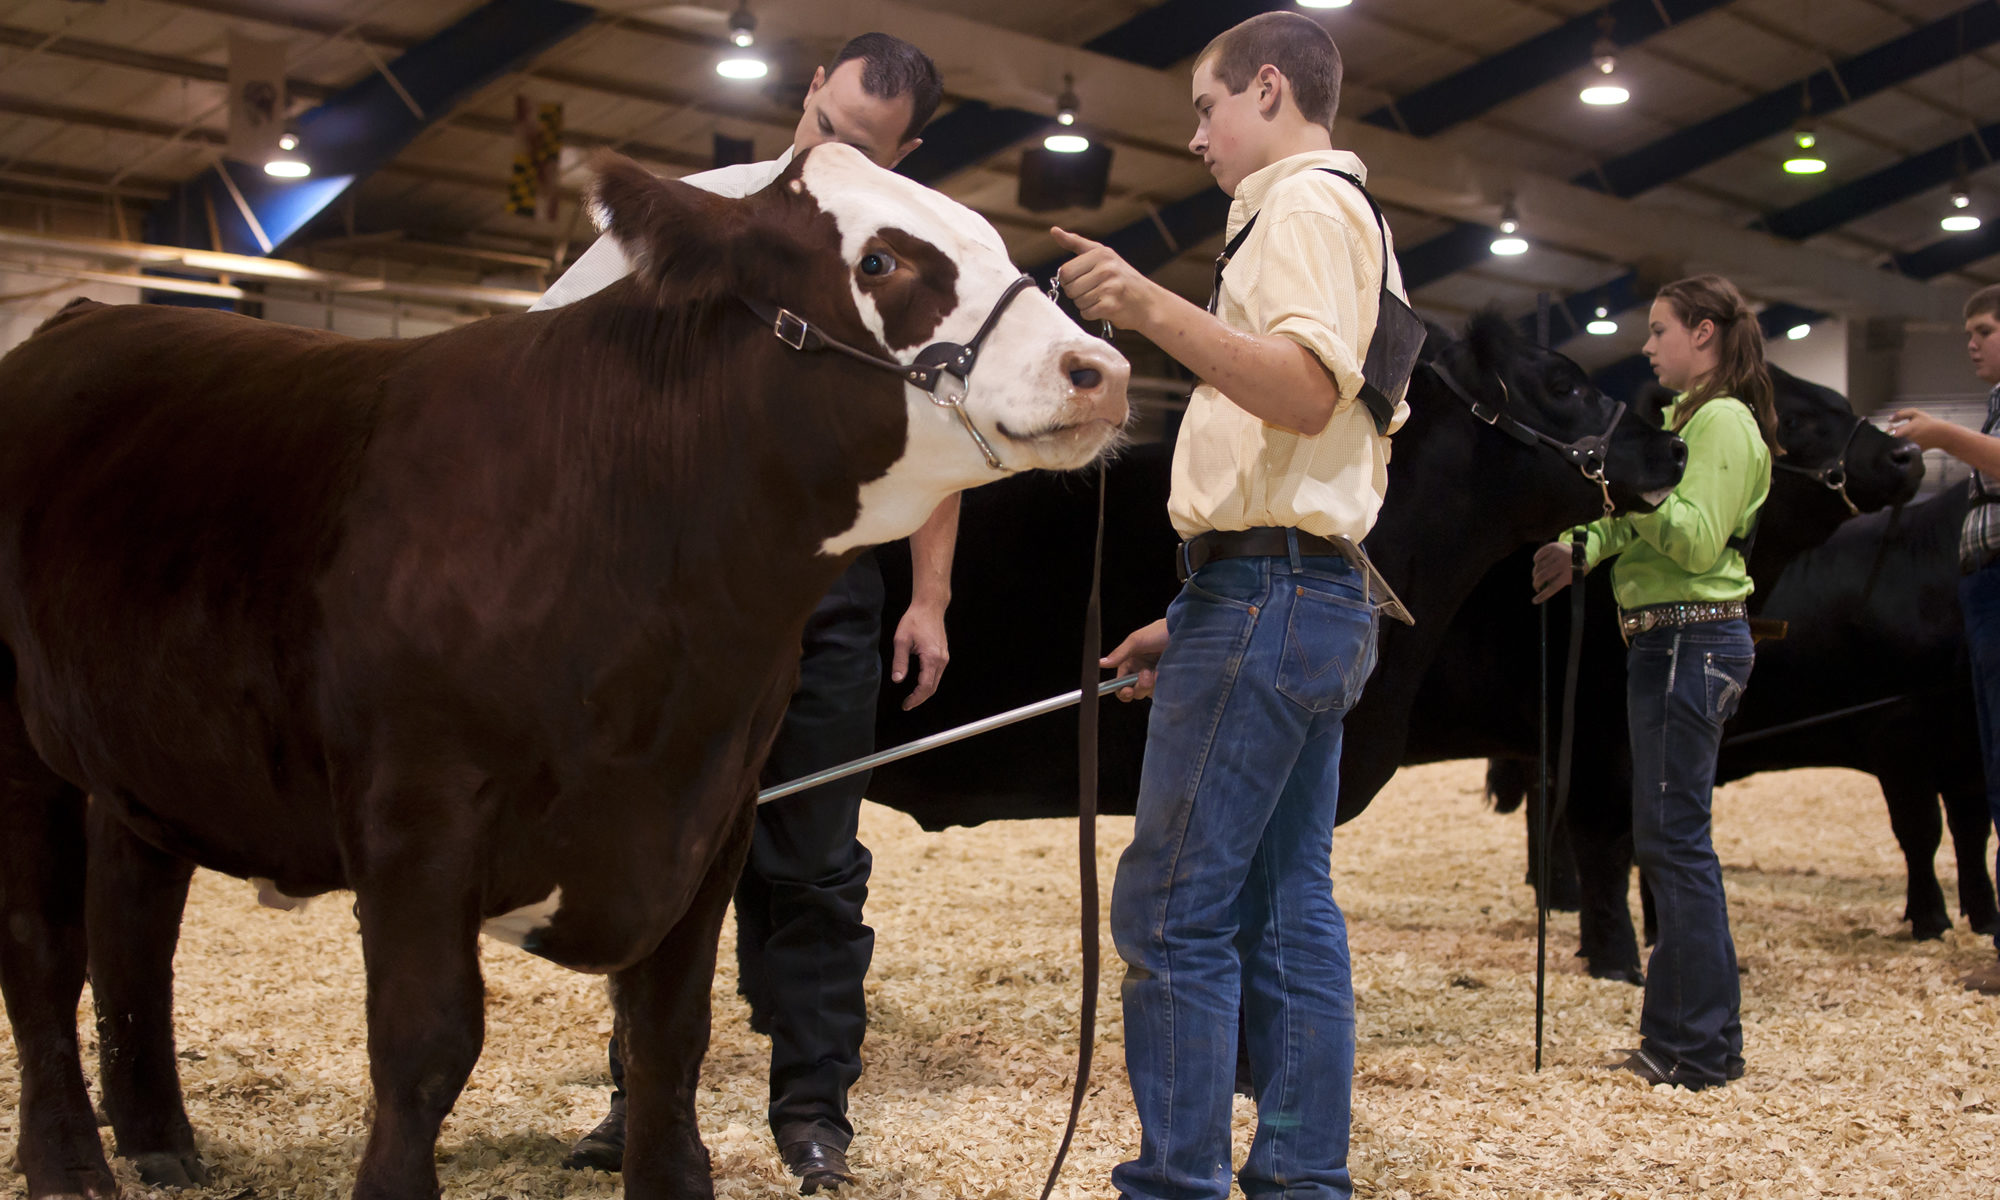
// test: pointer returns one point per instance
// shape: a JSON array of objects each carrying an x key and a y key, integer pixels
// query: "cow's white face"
[{"x": 1044, "y": 393}]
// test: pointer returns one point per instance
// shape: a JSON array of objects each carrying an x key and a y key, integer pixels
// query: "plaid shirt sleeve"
[{"x": 1979, "y": 539}]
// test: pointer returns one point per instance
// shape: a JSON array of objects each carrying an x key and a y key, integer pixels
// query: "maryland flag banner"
[
  {"x": 256, "y": 98},
  {"x": 531, "y": 190}
]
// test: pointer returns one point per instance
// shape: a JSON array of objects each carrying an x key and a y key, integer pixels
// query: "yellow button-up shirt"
[{"x": 1310, "y": 271}]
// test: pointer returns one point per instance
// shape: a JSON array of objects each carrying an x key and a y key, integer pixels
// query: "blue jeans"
[
  {"x": 1225, "y": 898},
  {"x": 1681, "y": 685},
  {"x": 1979, "y": 597}
]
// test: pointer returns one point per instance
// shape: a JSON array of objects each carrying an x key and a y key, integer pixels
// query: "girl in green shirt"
[{"x": 1680, "y": 580}]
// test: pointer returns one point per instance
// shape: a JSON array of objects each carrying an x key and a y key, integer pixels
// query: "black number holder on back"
[{"x": 1399, "y": 332}]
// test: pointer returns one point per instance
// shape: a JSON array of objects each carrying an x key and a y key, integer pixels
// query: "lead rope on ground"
[
  {"x": 1551, "y": 814},
  {"x": 1086, "y": 836}
]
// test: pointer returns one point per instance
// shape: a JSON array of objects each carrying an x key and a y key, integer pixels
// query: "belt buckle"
[{"x": 1183, "y": 567}]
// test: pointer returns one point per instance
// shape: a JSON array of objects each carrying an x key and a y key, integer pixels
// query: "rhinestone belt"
[{"x": 1633, "y": 622}]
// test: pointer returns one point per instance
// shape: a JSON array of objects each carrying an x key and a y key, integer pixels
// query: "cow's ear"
[
  {"x": 1493, "y": 340},
  {"x": 668, "y": 230}
]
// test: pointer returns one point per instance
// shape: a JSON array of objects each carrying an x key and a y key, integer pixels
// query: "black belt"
[
  {"x": 1263, "y": 542},
  {"x": 1634, "y": 621}
]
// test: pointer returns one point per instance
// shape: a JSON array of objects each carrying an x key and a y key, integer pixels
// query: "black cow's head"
[
  {"x": 1840, "y": 452},
  {"x": 1519, "y": 386},
  {"x": 884, "y": 265}
]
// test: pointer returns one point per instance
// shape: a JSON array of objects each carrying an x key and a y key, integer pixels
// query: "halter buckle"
[{"x": 791, "y": 329}]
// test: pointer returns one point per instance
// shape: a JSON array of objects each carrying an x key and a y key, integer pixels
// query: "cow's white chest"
[{"x": 516, "y": 927}]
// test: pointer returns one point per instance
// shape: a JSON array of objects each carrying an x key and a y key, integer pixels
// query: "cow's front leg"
[
  {"x": 133, "y": 908},
  {"x": 426, "y": 1014},
  {"x": 42, "y": 952},
  {"x": 662, "y": 1007}
]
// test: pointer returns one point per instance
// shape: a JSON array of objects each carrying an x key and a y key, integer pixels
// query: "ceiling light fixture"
[
  {"x": 743, "y": 63},
  {"x": 1603, "y": 326},
  {"x": 286, "y": 162},
  {"x": 1510, "y": 243},
  {"x": 1805, "y": 160},
  {"x": 742, "y": 26},
  {"x": 1605, "y": 89},
  {"x": 1324, "y": 3},
  {"x": 1066, "y": 143},
  {"x": 1798, "y": 333},
  {"x": 1958, "y": 218},
  {"x": 1066, "y": 104}
]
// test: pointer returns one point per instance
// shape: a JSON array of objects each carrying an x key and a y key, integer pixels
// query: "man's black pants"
[{"x": 802, "y": 950}]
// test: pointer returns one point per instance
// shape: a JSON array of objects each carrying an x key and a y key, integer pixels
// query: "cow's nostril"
[
  {"x": 1680, "y": 453},
  {"x": 1904, "y": 453},
  {"x": 1086, "y": 378}
]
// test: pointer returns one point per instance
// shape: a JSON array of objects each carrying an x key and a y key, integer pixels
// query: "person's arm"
[
  {"x": 600, "y": 266},
  {"x": 1692, "y": 527},
  {"x": 1273, "y": 377},
  {"x": 1977, "y": 450},
  {"x": 922, "y": 628}
]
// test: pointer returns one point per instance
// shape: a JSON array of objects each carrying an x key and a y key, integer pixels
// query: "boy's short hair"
[
  {"x": 1984, "y": 303},
  {"x": 1297, "y": 45},
  {"x": 892, "y": 67}
]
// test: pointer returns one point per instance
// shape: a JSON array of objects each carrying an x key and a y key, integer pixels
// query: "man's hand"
[
  {"x": 921, "y": 630},
  {"x": 1105, "y": 286},
  {"x": 1552, "y": 570},
  {"x": 1139, "y": 652}
]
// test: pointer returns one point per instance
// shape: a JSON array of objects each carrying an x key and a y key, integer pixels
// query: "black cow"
[
  {"x": 493, "y": 628},
  {"x": 1461, "y": 493}
]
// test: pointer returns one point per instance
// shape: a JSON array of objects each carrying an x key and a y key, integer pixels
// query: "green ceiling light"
[{"x": 1805, "y": 160}]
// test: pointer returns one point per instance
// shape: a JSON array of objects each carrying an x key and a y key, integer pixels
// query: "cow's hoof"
[
  {"x": 164, "y": 1168},
  {"x": 1628, "y": 974},
  {"x": 1983, "y": 925},
  {"x": 1928, "y": 930}
]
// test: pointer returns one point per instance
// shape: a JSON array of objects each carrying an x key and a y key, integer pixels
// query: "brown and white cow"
[{"x": 492, "y": 627}]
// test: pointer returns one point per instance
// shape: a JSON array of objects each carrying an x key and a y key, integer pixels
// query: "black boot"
[{"x": 603, "y": 1148}]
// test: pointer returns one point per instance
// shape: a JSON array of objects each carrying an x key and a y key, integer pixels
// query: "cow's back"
[{"x": 169, "y": 482}]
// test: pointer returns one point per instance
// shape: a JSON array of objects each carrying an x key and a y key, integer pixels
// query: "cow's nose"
[
  {"x": 1098, "y": 378},
  {"x": 1904, "y": 452},
  {"x": 1680, "y": 453}
]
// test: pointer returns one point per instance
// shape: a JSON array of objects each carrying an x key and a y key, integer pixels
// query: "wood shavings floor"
[{"x": 1871, "y": 1074}]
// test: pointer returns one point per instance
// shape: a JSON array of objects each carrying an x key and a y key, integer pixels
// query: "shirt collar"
[{"x": 1256, "y": 186}]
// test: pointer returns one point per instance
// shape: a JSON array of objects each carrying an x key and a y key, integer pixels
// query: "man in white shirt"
[{"x": 802, "y": 949}]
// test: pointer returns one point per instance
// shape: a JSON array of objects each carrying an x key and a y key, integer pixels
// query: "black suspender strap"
[{"x": 1399, "y": 333}]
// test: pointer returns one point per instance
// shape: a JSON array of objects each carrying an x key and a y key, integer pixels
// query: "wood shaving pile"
[{"x": 1870, "y": 1072}]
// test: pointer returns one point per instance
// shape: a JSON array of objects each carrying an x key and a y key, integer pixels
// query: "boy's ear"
[{"x": 1270, "y": 85}]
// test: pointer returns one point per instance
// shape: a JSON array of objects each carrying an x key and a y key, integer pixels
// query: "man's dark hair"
[
  {"x": 891, "y": 67},
  {"x": 1294, "y": 43}
]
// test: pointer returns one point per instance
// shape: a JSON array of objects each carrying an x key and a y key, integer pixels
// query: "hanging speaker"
[{"x": 1051, "y": 180}]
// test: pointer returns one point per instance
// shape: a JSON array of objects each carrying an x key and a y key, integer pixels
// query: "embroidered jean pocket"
[
  {"x": 1329, "y": 649},
  {"x": 1725, "y": 676}
]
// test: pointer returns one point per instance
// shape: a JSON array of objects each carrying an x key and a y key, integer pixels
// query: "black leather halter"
[
  {"x": 928, "y": 372},
  {"x": 1833, "y": 475},
  {"x": 1587, "y": 455}
]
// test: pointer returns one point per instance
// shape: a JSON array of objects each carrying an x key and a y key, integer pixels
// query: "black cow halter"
[
  {"x": 928, "y": 372},
  {"x": 1833, "y": 475},
  {"x": 1585, "y": 454}
]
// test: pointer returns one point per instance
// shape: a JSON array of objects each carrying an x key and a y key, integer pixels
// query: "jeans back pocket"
[
  {"x": 1725, "y": 677},
  {"x": 1329, "y": 649}
]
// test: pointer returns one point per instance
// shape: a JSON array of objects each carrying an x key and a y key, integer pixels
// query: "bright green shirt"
[{"x": 1680, "y": 551}]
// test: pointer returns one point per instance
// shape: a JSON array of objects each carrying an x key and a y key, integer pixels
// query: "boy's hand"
[
  {"x": 1138, "y": 653},
  {"x": 1105, "y": 286},
  {"x": 1918, "y": 426}
]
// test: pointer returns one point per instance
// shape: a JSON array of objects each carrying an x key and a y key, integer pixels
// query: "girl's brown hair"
[{"x": 1739, "y": 344}]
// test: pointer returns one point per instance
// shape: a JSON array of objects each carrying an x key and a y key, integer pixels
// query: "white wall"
[
  {"x": 22, "y": 309},
  {"x": 1819, "y": 357}
]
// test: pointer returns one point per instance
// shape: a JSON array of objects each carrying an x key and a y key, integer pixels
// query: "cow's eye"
[{"x": 877, "y": 264}]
